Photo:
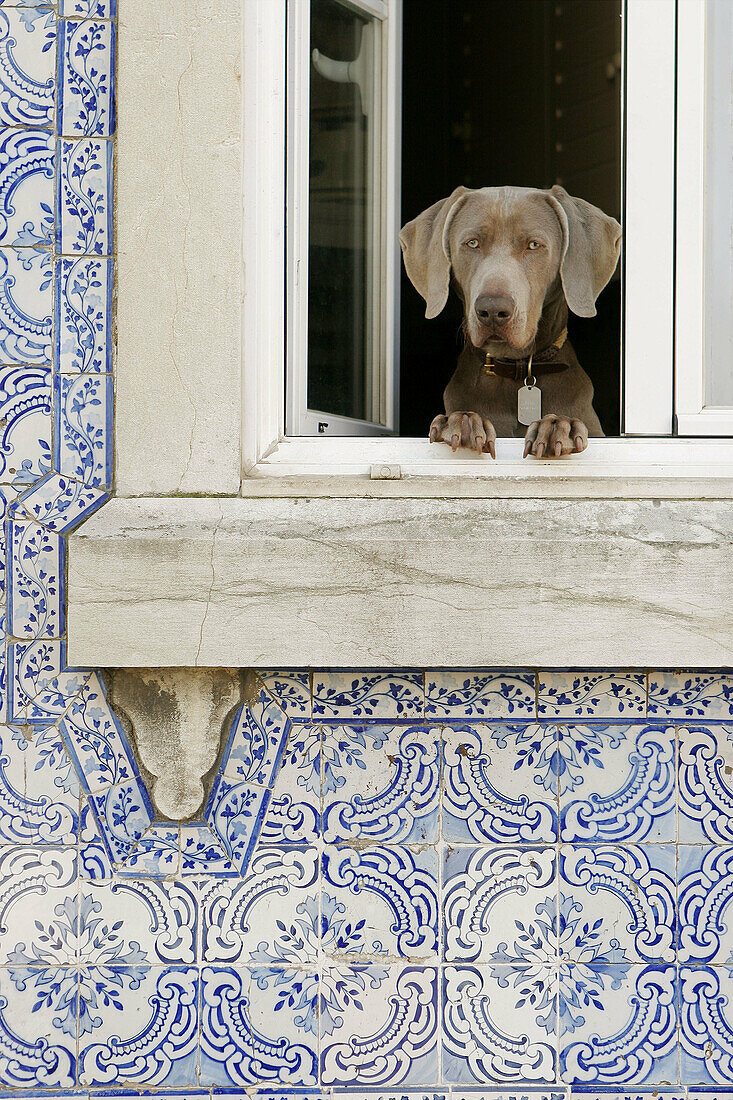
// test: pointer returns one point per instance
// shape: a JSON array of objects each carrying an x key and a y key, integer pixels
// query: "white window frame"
[
  {"x": 654, "y": 46},
  {"x": 385, "y": 160}
]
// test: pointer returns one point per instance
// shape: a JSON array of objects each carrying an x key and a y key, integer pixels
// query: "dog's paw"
[
  {"x": 464, "y": 429},
  {"x": 553, "y": 436}
]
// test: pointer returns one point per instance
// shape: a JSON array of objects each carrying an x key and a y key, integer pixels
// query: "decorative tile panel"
[{"x": 489, "y": 884}]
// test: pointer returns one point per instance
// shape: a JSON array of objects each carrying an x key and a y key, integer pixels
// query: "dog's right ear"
[{"x": 424, "y": 243}]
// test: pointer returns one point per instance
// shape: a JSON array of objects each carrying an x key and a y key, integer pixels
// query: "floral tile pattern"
[{"x": 483, "y": 884}]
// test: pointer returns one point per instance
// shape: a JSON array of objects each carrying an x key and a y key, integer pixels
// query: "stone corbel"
[{"x": 176, "y": 718}]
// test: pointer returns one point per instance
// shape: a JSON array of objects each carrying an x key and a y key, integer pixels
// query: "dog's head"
[{"x": 506, "y": 248}]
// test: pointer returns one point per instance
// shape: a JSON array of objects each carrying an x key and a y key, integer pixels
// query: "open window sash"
[{"x": 342, "y": 307}]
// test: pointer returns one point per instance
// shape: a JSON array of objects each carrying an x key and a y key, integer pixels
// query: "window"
[{"x": 667, "y": 382}]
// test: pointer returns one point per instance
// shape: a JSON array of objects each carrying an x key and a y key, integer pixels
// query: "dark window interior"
[{"x": 523, "y": 92}]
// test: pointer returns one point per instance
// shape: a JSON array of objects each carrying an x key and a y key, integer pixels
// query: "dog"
[{"x": 519, "y": 259}]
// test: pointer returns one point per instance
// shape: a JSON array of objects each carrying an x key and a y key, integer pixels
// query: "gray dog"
[{"x": 519, "y": 259}]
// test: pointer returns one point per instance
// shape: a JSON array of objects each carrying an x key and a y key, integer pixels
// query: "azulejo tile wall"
[{"x": 468, "y": 885}]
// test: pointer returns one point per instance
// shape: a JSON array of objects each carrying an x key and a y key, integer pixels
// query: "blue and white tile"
[
  {"x": 94, "y": 861},
  {"x": 84, "y": 198},
  {"x": 499, "y": 1024},
  {"x": 378, "y": 1025},
  {"x": 60, "y": 503},
  {"x": 256, "y": 742},
  {"x": 140, "y": 1027},
  {"x": 95, "y": 739},
  {"x": 89, "y": 9},
  {"x": 83, "y": 316},
  {"x": 27, "y": 160},
  {"x": 294, "y": 812},
  {"x": 25, "y": 424},
  {"x": 41, "y": 684},
  {"x": 705, "y": 904},
  {"x": 292, "y": 690},
  {"x": 83, "y": 428},
  {"x": 259, "y": 1025},
  {"x": 235, "y": 813},
  {"x": 706, "y": 1025},
  {"x": 617, "y": 783},
  {"x": 38, "y": 900},
  {"x": 38, "y": 1030},
  {"x": 203, "y": 853},
  {"x": 500, "y": 906},
  {"x": 688, "y": 695},
  {"x": 706, "y": 784},
  {"x": 380, "y": 903},
  {"x": 380, "y": 783},
  {"x": 26, "y": 275},
  {"x": 386, "y": 1094},
  {"x": 617, "y": 905},
  {"x": 124, "y": 813},
  {"x": 86, "y": 68},
  {"x": 35, "y": 594},
  {"x": 492, "y": 695},
  {"x": 522, "y": 1093},
  {"x": 577, "y": 694},
  {"x": 501, "y": 783},
  {"x": 39, "y": 790},
  {"x": 156, "y": 855},
  {"x": 27, "y": 57},
  {"x": 136, "y": 923},
  {"x": 272, "y": 917},
  {"x": 621, "y": 1027},
  {"x": 373, "y": 695}
]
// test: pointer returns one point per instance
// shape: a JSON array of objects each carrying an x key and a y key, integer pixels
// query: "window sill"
[{"x": 401, "y": 467}]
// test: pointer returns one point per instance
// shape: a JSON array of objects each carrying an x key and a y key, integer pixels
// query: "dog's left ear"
[{"x": 591, "y": 245}]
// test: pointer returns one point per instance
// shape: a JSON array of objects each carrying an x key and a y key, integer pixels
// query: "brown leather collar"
[{"x": 547, "y": 361}]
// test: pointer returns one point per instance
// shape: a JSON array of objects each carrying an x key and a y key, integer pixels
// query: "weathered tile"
[
  {"x": 156, "y": 855},
  {"x": 294, "y": 812},
  {"x": 84, "y": 198},
  {"x": 379, "y": 902},
  {"x": 60, "y": 503},
  {"x": 202, "y": 852},
  {"x": 591, "y": 695},
  {"x": 500, "y": 783},
  {"x": 25, "y": 286},
  {"x": 41, "y": 686},
  {"x": 607, "y": 768},
  {"x": 500, "y": 905},
  {"x": 143, "y": 1028},
  {"x": 691, "y": 694},
  {"x": 380, "y": 783},
  {"x": 705, "y": 784},
  {"x": 96, "y": 740},
  {"x": 135, "y": 923},
  {"x": 40, "y": 1026},
  {"x": 39, "y": 790},
  {"x": 373, "y": 695},
  {"x": 474, "y": 695},
  {"x": 499, "y": 1024},
  {"x": 83, "y": 428},
  {"x": 27, "y": 56},
  {"x": 25, "y": 424},
  {"x": 256, "y": 742},
  {"x": 292, "y": 691},
  {"x": 36, "y": 590},
  {"x": 271, "y": 918},
  {"x": 124, "y": 813},
  {"x": 235, "y": 814},
  {"x": 706, "y": 1026},
  {"x": 27, "y": 160},
  {"x": 378, "y": 1025},
  {"x": 86, "y": 78},
  {"x": 249, "y": 1013},
  {"x": 83, "y": 316},
  {"x": 705, "y": 893},
  {"x": 89, "y": 9},
  {"x": 621, "y": 1027},
  {"x": 617, "y": 905}
]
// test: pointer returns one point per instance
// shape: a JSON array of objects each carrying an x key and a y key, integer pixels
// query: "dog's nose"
[{"x": 493, "y": 310}]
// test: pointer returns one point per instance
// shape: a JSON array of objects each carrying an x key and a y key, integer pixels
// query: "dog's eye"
[
  {"x": 473, "y": 243},
  {"x": 531, "y": 245}
]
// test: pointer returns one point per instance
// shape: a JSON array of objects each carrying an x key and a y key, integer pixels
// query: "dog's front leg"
[{"x": 553, "y": 436}]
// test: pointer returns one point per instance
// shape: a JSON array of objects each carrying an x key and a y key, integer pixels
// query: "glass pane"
[
  {"x": 340, "y": 256},
  {"x": 719, "y": 206}
]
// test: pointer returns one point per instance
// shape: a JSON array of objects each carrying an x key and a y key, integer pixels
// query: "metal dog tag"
[{"x": 529, "y": 404}]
